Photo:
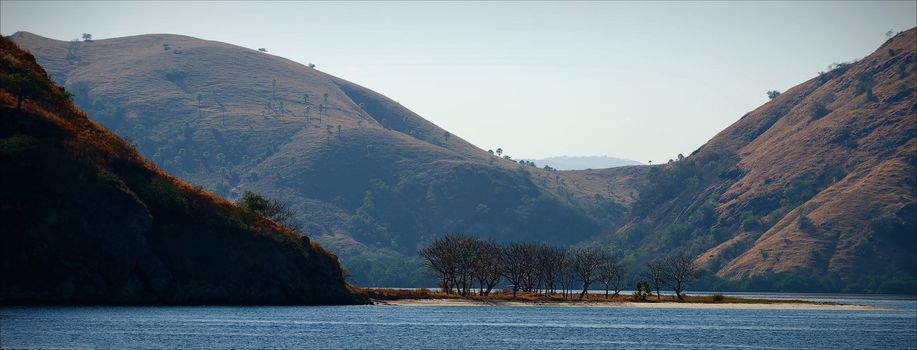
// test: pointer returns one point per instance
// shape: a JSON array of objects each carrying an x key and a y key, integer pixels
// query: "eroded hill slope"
[{"x": 819, "y": 180}]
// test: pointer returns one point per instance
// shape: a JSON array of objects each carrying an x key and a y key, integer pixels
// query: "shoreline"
[{"x": 622, "y": 304}]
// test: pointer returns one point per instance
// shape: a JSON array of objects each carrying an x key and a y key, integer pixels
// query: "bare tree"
[
  {"x": 655, "y": 272},
  {"x": 618, "y": 283},
  {"x": 439, "y": 258},
  {"x": 462, "y": 248},
  {"x": 565, "y": 274},
  {"x": 530, "y": 277},
  {"x": 486, "y": 265},
  {"x": 679, "y": 271},
  {"x": 514, "y": 264},
  {"x": 552, "y": 261},
  {"x": 584, "y": 263},
  {"x": 611, "y": 274}
]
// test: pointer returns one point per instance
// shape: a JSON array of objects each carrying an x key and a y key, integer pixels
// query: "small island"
[
  {"x": 477, "y": 272},
  {"x": 427, "y": 297}
]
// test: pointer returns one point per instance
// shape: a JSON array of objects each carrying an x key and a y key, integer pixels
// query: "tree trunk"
[{"x": 445, "y": 284}]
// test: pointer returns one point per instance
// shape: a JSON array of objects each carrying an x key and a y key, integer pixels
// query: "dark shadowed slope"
[
  {"x": 369, "y": 177},
  {"x": 819, "y": 180},
  {"x": 85, "y": 219}
]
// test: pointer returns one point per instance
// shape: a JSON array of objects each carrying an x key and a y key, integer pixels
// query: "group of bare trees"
[
  {"x": 462, "y": 262},
  {"x": 676, "y": 271}
]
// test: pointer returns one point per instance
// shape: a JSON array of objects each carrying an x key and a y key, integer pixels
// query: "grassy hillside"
[
  {"x": 370, "y": 178},
  {"x": 819, "y": 180},
  {"x": 85, "y": 219}
]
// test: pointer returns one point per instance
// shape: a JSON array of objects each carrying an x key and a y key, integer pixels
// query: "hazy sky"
[{"x": 644, "y": 81}]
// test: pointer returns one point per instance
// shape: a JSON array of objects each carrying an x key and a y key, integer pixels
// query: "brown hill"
[
  {"x": 370, "y": 178},
  {"x": 85, "y": 219},
  {"x": 820, "y": 179}
]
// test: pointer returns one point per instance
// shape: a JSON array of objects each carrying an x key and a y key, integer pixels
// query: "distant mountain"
[
  {"x": 818, "y": 182},
  {"x": 583, "y": 162},
  {"x": 370, "y": 179},
  {"x": 84, "y": 219}
]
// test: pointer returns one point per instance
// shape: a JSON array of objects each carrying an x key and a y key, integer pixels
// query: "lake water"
[{"x": 391, "y": 327}]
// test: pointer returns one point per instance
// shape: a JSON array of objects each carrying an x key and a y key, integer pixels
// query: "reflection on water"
[{"x": 393, "y": 327}]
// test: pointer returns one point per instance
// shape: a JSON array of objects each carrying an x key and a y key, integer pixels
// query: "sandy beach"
[{"x": 624, "y": 304}]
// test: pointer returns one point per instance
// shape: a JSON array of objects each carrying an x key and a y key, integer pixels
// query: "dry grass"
[
  {"x": 396, "y": 294},
  {"x": 537, "y": 298}
]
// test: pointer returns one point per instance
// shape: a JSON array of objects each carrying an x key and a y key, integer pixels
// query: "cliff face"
[
  {"x": 819, "y": 179},
  {"x": 85, "y": 219}
]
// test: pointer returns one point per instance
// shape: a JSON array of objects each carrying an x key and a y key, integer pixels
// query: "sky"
[{"x": 644, "y": 81}]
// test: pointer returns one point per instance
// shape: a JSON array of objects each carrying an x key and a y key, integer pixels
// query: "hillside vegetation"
[{"x": 85, "y": 219}]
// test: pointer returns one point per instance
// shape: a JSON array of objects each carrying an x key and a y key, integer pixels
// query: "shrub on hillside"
[
  {"x": 818, "y": 109},
  {"x": 277, "y": 210}
]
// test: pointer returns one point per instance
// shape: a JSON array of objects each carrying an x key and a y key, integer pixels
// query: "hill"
[
  {"x": 368, "y": 177},
  {"x": 812, "y": 191},
  {"x": 84, "y": 219},
  {"x": 583, "y": 162},
  {"x": 819, "y": 181}
]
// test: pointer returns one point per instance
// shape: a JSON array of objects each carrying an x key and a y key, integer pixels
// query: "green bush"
[
  {"x": 818, "y": 109},
  {"x": 642, "y": 291}
]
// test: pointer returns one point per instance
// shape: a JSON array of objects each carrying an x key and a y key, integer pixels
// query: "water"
[{"x": 391, "y": 327}]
